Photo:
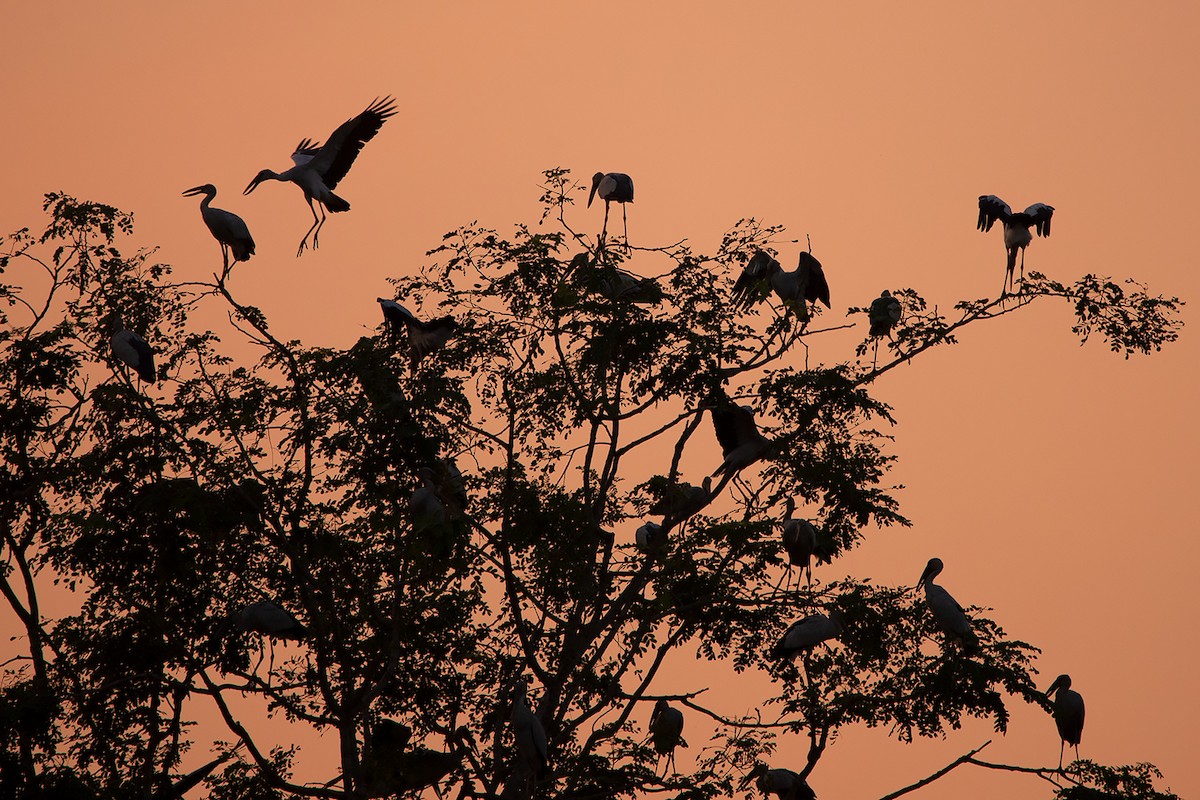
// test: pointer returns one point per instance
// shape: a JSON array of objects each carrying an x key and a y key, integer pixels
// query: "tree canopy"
[{"x": 424, "y": 545}]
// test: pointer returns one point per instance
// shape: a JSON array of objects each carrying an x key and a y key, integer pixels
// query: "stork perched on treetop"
[
  {"x": 319, "y": 168},
  {"x": 948, "y": 614},
  {"x": 613, "y": 187},
  {"x": 763, "y": 274},
  {"x": 1016, "y": 229},
  {"x": 227, "y": 228},
  {"x": 738, "y": 435},
  {"x": 1068, "y": 714},
  {"x": 666, "y": 730},
  {"x": 783, "y": 783},
  {"x": 423, "y": 337}
]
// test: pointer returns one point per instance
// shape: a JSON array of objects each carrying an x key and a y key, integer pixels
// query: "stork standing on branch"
[
  {"x": 423, "y": 337},
  {"x": 227, "y": 228},
  {"x": 613, "y": 187},
  {"x": 783, "y": 783},
  {"x": 1016, "y": 229},
  {"x": 737, "y": 433},
  {"x": 949, "y": 615},
  {"x": 132, "y": 349},
  {"x": 666, "y": 731},
  {"x": 319, "y": 168},
  {"x": 795, "y": 289},
  {"x": 1068, "y": 714}
]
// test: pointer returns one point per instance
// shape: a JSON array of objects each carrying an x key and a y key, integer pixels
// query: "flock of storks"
[{"x": 318, "y": 169}]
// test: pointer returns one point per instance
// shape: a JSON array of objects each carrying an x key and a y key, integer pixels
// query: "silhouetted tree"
[{"x": 571, "y": 397}]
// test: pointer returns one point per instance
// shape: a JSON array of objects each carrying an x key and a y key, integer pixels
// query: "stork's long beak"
[
  {"x": 254, "y": 184},
  {"x": 1054, "y": 687},
  {"x": 592, "y": 194},
  {"x": 924, "y": 577},
  {"x": 194, "y": 190}
]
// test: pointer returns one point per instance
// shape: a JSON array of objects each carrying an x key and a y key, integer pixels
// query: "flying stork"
[
  {"x": 763, "y": 274},
  {"x": 1068, "y": 714},
  {"x": 737, "y": 433},
  {"x": 423, "y": 337},
  {"x": 666, "y": 730},
  {"x": 613, "y": 187},
  {"x": 319, "y": 168},
  {"x": 783, "y": 783},
  {"x": 132, "y": 349},
  {"x": 948, "y": 614},
  {"x": 227, "y": 228},
  {"x": 1016, "y": 229}
]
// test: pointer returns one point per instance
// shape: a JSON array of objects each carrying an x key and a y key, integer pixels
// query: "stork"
[
  {"x": 807, "y": 633},
  {"x": 388, "y": 768},
  {"x": 799, "y": 541},
  {"x": 948, "y": 614},
  {"x": 763, "y": 274},
  {"x": 613, "y": 187},
  {"x": 530, "y": 736},
  {"x": 737, "y": 433},
  {"x": 681, "y": 501},
  {"x": 651, "y": 538},
  {"x": 270, "y": 620},
  {"x": 227, "y": 228},
  {"x": 423, "y": 337},
  {"x": 884, "y": 314},
  {"x": 429, "y": 514},
  {"x": 1068, "y": 714},
  {"x": 783, "y": 783},
  {"x": 1016, "y": 229},
  {"x": 132, "y": 349},
  {"x": 319, "y": 168},
  {"x": 666, "y": 730}
]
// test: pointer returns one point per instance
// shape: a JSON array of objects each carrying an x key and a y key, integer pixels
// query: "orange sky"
[{"x": 1054, "y": 481}]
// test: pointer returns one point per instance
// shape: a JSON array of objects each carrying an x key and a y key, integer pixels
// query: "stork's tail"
[
  {"x": 242, "y": 252},
  {"x": 335, "y": 203}
]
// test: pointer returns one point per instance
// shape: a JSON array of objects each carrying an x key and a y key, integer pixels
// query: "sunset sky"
[{"x": 1057, "y": 482}]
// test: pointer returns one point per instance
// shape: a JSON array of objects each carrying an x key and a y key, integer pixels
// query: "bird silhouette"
[
  {"x": 763, "y": 274},
  {"x": 227, "y": 228},
  {"x": 949, "y": 615},
  {"x": 805, "y": 634},
  {"x": 132, "y": 349},
  {"x": 423, "y": 337},
  {"x": 1016, "y": 229},
  {"x": 783, "y": 783},
  {"x": 1068, "y": 714},
  {"x": 666, "y": 731},
  {"x": 737, "y": 433},
  {"x": 318, "y": 169},
  {"x": 612, "y": 187}
]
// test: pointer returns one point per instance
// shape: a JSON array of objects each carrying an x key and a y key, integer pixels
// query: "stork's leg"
[
  {"x": 625, "y": 222},
  {"x": 224, "y": 259},
  {"x": 316, "y": 222},
  {"x": 604, "y": 230},
  {"x": 1022, "y": 265},
  {"x": 1061, "y": 747},
  {"x": 317, "y": 232}
]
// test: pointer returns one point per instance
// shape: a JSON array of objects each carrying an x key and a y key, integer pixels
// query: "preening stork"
[
  {"x": 613, "y": 187},
  {"x": 681, "y": 501},
  {"x": 227, "y": 228},
  {"x": 1016, "y": 229},
  {"x": 783, "y": 783},
  {"x": 132, "y": 349},
  {"x": 319, "y": 168},
  {"x": 423, "y": 337},
  {"x": 805, "y": 634},
  {"x": 763, "y": 274},
  {"x": 666, "y": 730},
  {"x": 949, "y": 615},
  {"x": 884, "y": 314},
  {"x": 1068, "y": 714},
  {"x": 271, "y": 620},
  {"x": 737, "y": 433},
  {"x": 651, "y": 538},
  {"x": 530, "y": 736}
]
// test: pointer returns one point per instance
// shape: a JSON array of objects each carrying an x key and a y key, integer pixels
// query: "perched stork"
[
  {"x": 389, "y": 769},
  {"x": 1016, "y": 229},
  {"x": 948, "y": 614},
  {"x": 132, "y": 349},
  {"x": 651, "y": 538},
  {"x": 227, "y": 228},
  {"x": 1068, "y": 714},
  {"x": 613, "y": 187},
  {"x": 530, "y": 736},
  {"x": 681, "y": 501},
  {"x": 625, "y": 287},
  {"x": 319, "y": 168},
  {"x": 423, "y": 337},
  {"x": 799, "y": 541},
  {"x": 666, "y": 730},
  {"x": 783, "y": 783},
  {"x": 270, "y": 620},
  {"x": 763, "y": 274},
  {"x": 805, "y": 634},
  {"x": 737, "y": 433},
  {"x": 884, "y": 314}
]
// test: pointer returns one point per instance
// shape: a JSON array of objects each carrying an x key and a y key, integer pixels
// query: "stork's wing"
[
  {"x": 992, "y": 208},
  {"x": 733, "y": 425},
  {"x": 337, "y": 156},
  {"x": 305, "y": 152},
  {"x": 753, "y": 284},
  {"x": 1040, "y": 213},
  {"x": 812, "y": 278}
]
